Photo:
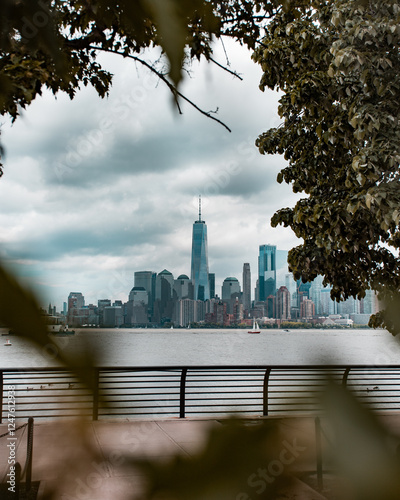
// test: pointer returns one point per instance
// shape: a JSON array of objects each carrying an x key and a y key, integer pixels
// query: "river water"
[{"x": 194, "y": 347}]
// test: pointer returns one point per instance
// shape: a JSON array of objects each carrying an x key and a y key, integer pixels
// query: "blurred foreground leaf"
[
  {"x": 365, "y": 451},
  {"x": 233, "y": 465}
]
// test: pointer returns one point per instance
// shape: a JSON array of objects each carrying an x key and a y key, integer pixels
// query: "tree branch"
[
  {"x": 175, "y": 92},
  {"x": 225, "y": 68}
]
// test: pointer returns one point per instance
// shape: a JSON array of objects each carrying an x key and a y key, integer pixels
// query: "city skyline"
[
  {"x": 94, "y": 190},
  {"x": 249, "y": 284},
  {"x": 160, "y": 299},
  {"x": 143, "y": 279}
]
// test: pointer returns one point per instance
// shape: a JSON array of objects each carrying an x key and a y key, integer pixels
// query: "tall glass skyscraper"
[
  {"x": 267, "y": 271},
  {"x": 199, "y": 270},
  {"x": 246, "y": 287}
]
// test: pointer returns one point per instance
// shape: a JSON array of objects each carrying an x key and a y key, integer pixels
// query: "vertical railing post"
[
  {"x": 345, "y": 377},
  {"x": 96, "y": 377},
  {"x": 265, "y": 392},
  {"x": 29, "y": 454},
  {"x": 319, "y": 453},
  {"x": 182, "y": 393},
  {"x": 17, "y": 480},
  {"x": 1, "y": 395}
]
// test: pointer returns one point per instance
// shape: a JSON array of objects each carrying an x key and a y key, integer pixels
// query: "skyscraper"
[
  {"x": 147, "y": 280},
  {"x": 246, "y": 287},
  {"x": 283, "y": 303},
  {"x": 266, "y": 271},
  {"x": 199, "y": 269}
]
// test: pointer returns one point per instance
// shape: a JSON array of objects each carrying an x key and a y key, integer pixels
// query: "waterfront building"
[
  {"x": 229, "y": 286},
  {"x": 183, "y": 287},
  {"x": 164, "y": 285},
  {"x": 189, "y": 311},
  {"x": 257, "y": 292},
  {"x": 112, "y": 316},
  {"x": 137, "y": 307},
  {"x": 246, "y": 287},
  {"x": 220, "y": 316},
  {"x": 328, "y": 306},
  {"x": 290, "y": 283},
  {"x": 303, "y": 292},
  {"x": 101, "y": 304},
  {"x": 200, "y": 311},
  {"x": 259, "y": 309},
  {"x": 229, "y": 291},
  {"x": 349, "y": 306},
  {"x": 237, "y": 311},
  {"x": 283, "y": 304},
  {"x": 80, "y": 317},
  {"x": 271, "y": 306},
  {"x": 163, "y": 305},
  {"x": 184, "y": 312},
  {"x": 315, "y": 293},
  {"x": 307, "y": 309},
  {"x": 199, "y": 265},
  {"x": 76, "y": 301},
  {"x": 266, "y": 271},
  {"x": 146, "y": 280},
  {"x": 211, "y": 280}
]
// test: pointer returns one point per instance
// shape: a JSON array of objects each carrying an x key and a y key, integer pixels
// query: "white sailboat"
[{"x": 256, "y": 328}]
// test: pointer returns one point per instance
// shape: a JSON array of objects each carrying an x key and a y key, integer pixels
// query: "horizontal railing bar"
[
  {"x": 167, "y": 413},
  {"x": 144, "y": 401},
  {"x": 223, "y": 399},
  {"x": 223, "y": 392},
  {"x": 30, "y": 403},
  {"x": 175, "y": 408},
  {"x": 103, "y": 389},
  {"x": 55, "y": 410},
  {"x": 381, "y": 384},
  {"x": 212, "y": 367},
  {"x": 146, "y": 394},
  {"x": 171, "y": 408}
]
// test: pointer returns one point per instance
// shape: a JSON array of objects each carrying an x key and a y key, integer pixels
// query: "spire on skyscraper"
[{"x": 199, "y": 207}]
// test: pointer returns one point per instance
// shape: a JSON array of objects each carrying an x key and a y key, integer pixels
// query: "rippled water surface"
[{"x": 161, "y": 347}]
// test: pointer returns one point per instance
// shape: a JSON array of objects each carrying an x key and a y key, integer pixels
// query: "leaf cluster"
[
  {"x": 55, "y": 43},
  {"x": 337, "y": 64}
]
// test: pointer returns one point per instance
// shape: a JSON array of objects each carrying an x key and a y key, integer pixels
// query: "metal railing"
[{"x": 181, "y": 391}]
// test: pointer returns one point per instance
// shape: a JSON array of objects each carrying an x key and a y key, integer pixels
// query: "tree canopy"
[
  {"x": 337, "y": 66},
  {"x": 55, "y": 43}
]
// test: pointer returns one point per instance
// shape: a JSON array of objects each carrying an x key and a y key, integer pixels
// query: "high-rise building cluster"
[{"x": 160, "y": 299}]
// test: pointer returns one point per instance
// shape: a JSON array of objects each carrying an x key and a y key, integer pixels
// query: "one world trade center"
[{"x": 199, "y": 271}]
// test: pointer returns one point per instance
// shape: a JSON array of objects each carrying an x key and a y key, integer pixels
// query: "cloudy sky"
[{"x": 95, "y": 190}]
